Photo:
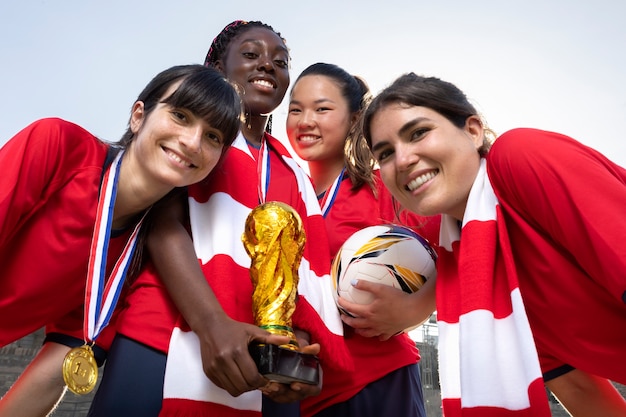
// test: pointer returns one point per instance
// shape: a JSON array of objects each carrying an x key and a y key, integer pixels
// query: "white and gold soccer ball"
[{"x": 386, "y": 254}]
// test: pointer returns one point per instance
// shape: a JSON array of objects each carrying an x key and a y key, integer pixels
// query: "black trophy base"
[{"x": 285, "y": 365}]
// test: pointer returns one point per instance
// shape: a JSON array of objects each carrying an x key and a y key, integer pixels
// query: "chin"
[
  {"x": 262, "y": 106},
  {"x": 414, "y": 206}
]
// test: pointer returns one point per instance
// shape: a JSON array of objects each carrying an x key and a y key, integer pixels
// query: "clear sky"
[{"x": 552, "y": 64}]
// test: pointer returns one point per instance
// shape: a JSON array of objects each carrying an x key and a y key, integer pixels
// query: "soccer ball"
[{"x": 386, "y": 254}]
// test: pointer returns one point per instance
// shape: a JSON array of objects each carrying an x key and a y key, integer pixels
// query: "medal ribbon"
[
  {"x": 331, "y": 194},
  {"x": 100, "y": 299},
  {"x": 263, "y": 170}
]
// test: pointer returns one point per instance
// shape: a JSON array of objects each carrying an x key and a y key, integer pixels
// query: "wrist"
[{"x": 205, "y": 319}]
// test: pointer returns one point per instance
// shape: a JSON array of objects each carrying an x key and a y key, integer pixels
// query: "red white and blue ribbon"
[
  {"x": 263, "y": 168},
  {"x": 331, "y": 194},
  {"x": 101, "y": 294}
]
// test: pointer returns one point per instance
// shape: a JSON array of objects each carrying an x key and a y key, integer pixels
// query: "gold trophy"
[{"x": 274, "y": 238}]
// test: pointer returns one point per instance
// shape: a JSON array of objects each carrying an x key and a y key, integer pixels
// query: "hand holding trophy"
[{"x": 274, "y": 239}]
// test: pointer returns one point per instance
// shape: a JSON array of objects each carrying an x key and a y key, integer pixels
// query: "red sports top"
[
  {"x": 51, "y": 173},
  {"x": 373, "y": 359},
  {"x": 150, "y": 315},
  {"x": 564, "y": 209}
]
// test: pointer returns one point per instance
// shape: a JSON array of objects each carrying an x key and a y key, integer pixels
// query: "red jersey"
[
  {"x": 373, "y": 359},
  {"x": 563, "y": 205},
  {"x": 149, "y": 315},
  {"x": 218, "y": 209},
  {"x": 51, "y": 174}
]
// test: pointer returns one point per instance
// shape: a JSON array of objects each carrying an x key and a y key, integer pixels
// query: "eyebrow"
[
  {"x": 378, "y": 146},
  {"x": 318, "y": 101},
  {"x": 402, "y": 131},
  {"x": 282, "y": 48}
]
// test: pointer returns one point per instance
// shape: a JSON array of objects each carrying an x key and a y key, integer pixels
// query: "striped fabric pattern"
[
  {"x": 217, "y": 212},
  {"x": 488, "y": 360}
]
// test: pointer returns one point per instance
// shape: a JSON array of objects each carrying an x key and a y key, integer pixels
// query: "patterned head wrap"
[{"x": 218, "y": 45}]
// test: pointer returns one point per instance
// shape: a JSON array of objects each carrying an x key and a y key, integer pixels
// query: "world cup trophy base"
[{"x": 285, "y": 365}]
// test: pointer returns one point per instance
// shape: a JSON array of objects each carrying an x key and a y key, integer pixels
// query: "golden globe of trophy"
[{"x": 274, "y": 239}]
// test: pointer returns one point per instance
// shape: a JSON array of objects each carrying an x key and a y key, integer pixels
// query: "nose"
[
  {"x": 404, "y": 157},
  {"x": 307, "y": 119},
  {"x": 266, "y": 63},
  {"x": 192, "y": 138}
]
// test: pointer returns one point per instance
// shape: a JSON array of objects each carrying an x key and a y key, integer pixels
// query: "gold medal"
[{"x": 80, "y": 371}]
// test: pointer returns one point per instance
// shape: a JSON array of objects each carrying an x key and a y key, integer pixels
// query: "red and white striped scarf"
[
  {"x": 487, "y": 357},
  {"x": 218, "y": 209}
]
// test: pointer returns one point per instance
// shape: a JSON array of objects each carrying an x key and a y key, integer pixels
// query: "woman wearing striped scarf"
[{"x": 531, "y": 285}]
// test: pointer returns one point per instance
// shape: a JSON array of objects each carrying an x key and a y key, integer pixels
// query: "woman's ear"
[
  {"x": 137, "y": 116},
  {"x": 474, "y": 128},
  {"x": 355, "y": 119},
  {"x": 219, "y": 65}
]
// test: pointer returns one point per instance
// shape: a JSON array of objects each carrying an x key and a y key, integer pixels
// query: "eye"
[
  {"x": 294, "y": 110},
  {"x": 383, "y": 154},
  {"x": 215, "y": 137},
  {"x": 419, "y": 133},
  {"x": 322, "y": 109},
  {"x": 250, "y": 55},
  {"x": 281, "y": 63},
  {"x": 178, "y": 115},
  {"x": 281, "y": 59}
]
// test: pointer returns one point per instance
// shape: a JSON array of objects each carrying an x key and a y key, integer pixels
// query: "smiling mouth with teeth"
[
  {"x": 178, "y": 159},
  {"x": 263, "y": 83},
  {"x": 419, "y": 181}
]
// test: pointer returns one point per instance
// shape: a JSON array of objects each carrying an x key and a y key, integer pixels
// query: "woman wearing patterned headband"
[
  {"x": 72, "y": 205},
  {"x": 209, "y": 369},
  {"x": 532, "y": 253}
]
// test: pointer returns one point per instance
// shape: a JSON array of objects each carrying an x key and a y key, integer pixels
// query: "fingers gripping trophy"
[{"x": 274, "y": 239}]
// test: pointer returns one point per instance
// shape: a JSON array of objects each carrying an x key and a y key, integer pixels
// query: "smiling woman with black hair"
[{"x": 70, "y": 204}]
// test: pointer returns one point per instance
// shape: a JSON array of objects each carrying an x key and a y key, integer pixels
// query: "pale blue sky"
[{"x": 555, "y": 65}]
